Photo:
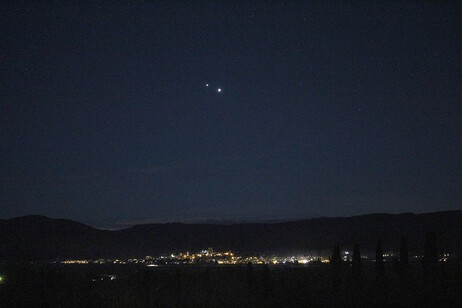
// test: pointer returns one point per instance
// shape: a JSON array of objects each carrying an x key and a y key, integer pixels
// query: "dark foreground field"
[{"x": 45, "y": 285}]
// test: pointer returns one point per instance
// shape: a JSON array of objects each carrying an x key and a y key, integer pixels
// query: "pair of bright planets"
[{"x": 218, "y": 89}]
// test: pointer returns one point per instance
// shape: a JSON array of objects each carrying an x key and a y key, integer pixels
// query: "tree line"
[{"x": 400, "y": 265}]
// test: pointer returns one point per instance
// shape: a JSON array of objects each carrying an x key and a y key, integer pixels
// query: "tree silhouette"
[
  {"x": 336, "y": 262},
  {"x": 430, "y": 259},
  {"x": 356, "y": 263},
  {"x": 379, "y": 265},
  {"x": 335, "y": 259},
  {"x": 403, "y": 253}
]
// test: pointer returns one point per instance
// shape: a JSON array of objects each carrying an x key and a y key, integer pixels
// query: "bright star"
[
  {"x": 219, "y": 90},
  {"x": 206, "y": 84}
]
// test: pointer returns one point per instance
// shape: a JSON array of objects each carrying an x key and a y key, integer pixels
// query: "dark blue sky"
[{"x": 327, "y": 109}]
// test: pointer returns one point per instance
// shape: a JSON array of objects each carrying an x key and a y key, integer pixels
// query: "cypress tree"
[
  {"x": 430, "y": 259},
  {"x": 356, "y": 263},
  {"x": 403, "y": 253},
  {"x": 379, "y": 265},
  {"x": 335, "y": 259}
]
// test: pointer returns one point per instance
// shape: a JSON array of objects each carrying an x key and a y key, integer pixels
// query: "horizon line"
[{"x": 224, "y": 221}]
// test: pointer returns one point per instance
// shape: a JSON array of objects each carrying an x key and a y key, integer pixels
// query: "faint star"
[{"x": 206, "y": 84}]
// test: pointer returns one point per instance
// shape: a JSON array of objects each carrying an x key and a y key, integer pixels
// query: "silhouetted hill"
[{"x": 39, "y": 237}]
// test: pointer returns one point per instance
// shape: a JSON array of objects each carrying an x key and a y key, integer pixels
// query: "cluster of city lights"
[{"x": 207, "y": 256}]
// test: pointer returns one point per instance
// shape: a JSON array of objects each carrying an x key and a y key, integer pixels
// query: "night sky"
[{"x": 324, "y": 110}]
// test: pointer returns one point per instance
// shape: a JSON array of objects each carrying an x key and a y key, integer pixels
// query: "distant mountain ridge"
[{"x": 40, "y": 237}]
